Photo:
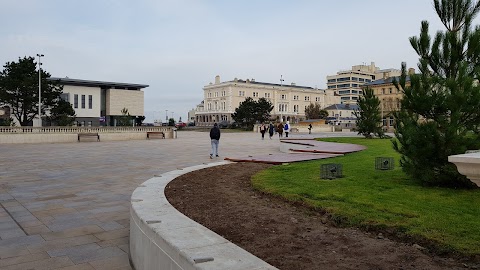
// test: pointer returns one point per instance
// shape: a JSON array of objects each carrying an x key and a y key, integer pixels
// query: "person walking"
[
  {"x": 280, "y": 130},
  {"x": 263, "y": 129},
  {"x": 215, "y": 138},
  {"x": 286, "y": 128},
  {"x": 271, "y": 130},
  {"x": 310, "y": 129}
]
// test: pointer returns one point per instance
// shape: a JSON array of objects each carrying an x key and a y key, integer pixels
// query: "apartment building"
[
  {"x": 348, "y": 83},
  {"x": 289, "y": 101},
  {"x": 390, "y": 97}
]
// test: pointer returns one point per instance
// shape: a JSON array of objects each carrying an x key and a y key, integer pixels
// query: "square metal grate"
[
  {"x": 331, "y": 171},
  {"x": 384, "y": 163}
]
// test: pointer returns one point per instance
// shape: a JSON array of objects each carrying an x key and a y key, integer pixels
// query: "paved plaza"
[{"x": 66, "y": 205}]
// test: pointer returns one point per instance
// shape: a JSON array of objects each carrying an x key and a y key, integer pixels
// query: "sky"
[{"x": 179, "y": 46}]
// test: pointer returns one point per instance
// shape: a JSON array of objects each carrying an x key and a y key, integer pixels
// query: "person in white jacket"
[{"x": 286, "y": 128}]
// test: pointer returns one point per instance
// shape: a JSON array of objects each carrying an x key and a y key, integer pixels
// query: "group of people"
[{"x": 280, "y": 128}]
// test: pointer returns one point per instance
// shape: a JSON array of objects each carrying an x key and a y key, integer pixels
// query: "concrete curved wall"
[{"x": 163, "y": 238}]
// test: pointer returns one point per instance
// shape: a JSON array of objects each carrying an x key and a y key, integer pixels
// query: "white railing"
[{"x": 8, "y": 130}]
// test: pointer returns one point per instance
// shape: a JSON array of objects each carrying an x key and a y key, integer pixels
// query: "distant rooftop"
[
  {"x": 101, "y": 84},
  {"x": 271, "y": 84},
  {"x": 385, "y": 81}
]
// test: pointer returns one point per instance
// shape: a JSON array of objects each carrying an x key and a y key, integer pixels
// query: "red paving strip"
[
  {"x": 282, "y": 158},
  {"x": 315, "y": 150},
  {"x": 300, "y": 143},
  {"x": 326, "y": 147}
]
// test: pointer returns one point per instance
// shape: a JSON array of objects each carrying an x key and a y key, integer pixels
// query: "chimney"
[
  {"x": 411, "y": 71},
  {"x": 217, "y": 79}
]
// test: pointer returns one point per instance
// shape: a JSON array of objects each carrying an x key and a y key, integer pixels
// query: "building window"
[
  {"x": 332, "y": 80},
  {"x": 307, "y": 98},
  {"x": 216, "y": 94},
  {"x": 361, "y": 79},
  {"x": 317, "y": 99},
  {"x": 295, "y": 97},
  {"x": 65, "y": 97},
  {"x": 209, "y": 94},
  {"x": 390, "y": 90},
  {"x": 83, "y": 101},
  {"x": 267, "y": 95},
  {"x": 346, "y": 85},
  {"x": 224, "y": 93},
  {"x": 90, "y": 101},
  {"x": 75, "y": 101},
  {"x": 344, "y": 92},
  {"x": 241, "y": 93},
  {"x": 383, "y": 91},
  {"x": 255, "y": 94},
  {"x": 283, "y": 96},
  {"x": 343, "y": 79},
  {"x": 332, "y": 86},
  {"x": 391, "y": 122},
  {"x": 223, "y": 106},
  {"x": 282, "y": 107},
  {"x": 295, "y": 108}
]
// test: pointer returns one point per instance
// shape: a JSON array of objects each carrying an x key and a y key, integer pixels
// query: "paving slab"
[{"x": 70, "y": 193}]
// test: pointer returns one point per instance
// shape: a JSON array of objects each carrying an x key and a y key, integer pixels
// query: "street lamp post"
[
  {"x": 281, "y": 112},
  {"x": 40, "y": 89},
  {"x": 166, "y": 116}
]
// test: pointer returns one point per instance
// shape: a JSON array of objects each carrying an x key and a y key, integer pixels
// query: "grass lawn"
[{"x": 447, "y": 220}]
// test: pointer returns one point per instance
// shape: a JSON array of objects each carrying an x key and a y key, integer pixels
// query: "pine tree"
[
  {"x": 19, "y": 89},
  {"x": 250, "y": 111},
  {"x": 440, "y": 113},
  {"x": 368, "y": 115},
  {"x": 62, "y": 113},
  {"x": 314, "y": 111}
]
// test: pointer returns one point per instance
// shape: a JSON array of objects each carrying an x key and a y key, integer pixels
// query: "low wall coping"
[
  {"x": 163, "y": 238},
  {"x": 468, "y": 165}
]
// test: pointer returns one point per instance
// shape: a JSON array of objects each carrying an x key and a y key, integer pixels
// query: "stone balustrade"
[
  {"x": 69, "y": 134},
  {"x": 56, "y": 129}
]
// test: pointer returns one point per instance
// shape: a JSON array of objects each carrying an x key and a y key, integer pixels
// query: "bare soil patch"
[{"x": 288, "y": 236}]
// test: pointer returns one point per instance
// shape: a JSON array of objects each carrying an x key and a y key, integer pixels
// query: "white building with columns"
[{"x": 289, "y": 101}]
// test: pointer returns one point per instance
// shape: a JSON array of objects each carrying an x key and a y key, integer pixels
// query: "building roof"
[
  {"x": 269, "y": 84},
  {"x": 342, "y": 107},
  {"x": 114, "y": 85},
  {"x": 388, "y": 80}
]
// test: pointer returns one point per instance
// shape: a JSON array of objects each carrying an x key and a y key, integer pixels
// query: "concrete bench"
[
  {"x": 88, "y": 135},
  {"x": 155, "y": 134}
]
